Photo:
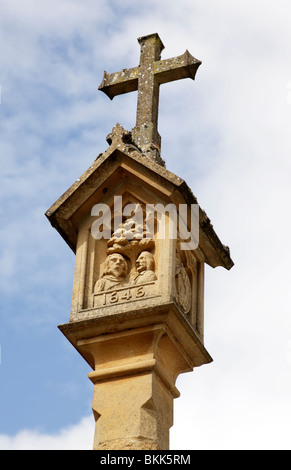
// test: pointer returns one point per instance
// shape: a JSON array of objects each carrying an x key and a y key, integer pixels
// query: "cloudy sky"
[{"x": 228, "y": 134}]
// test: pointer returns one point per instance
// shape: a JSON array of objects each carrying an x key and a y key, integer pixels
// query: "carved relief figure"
[
  {"x": 145, "y": 265},
  {"x": 132, "y": 235},
  {"x": 114, "y": 274},
  {"x": 182, "y": 286}
]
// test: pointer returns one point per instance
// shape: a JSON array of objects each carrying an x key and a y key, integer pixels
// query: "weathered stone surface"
[
  {"x": 134, "y": 375},
  {"x": 129, "y": 444},
  {"x": 127, "y": 287},
  {"x": 146, "y": 79},
  {"x": 122, "y": 159}
]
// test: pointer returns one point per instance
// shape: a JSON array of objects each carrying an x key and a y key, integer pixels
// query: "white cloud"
[{"x": 76, "y": 437}]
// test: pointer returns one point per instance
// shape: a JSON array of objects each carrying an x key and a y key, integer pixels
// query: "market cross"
[
  {"x": 146, "y": 79},
  {"x": 137, "y": 310}
]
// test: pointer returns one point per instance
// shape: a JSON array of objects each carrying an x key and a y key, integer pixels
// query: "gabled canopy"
[{"x": 123, "y": 159}]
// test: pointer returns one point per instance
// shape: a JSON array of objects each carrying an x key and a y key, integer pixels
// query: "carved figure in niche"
[
  {"x": 132, "y": 239},
  {"x": 114, "y": 274},
  {"x": 132, "y": 236},
  {"x": 182, "y": 286},
  {"x": 145, "y": 265}
]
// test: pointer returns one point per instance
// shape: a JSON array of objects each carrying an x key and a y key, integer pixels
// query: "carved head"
[
  {"x": 116, "y": 265},
  {"x": 145, "y": 262}
]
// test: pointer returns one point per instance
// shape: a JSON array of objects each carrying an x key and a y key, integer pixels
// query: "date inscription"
[{"x": 125, "y": 294}]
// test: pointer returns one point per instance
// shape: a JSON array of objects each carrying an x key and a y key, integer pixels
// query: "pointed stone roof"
[{"x": 122, "y": 152}]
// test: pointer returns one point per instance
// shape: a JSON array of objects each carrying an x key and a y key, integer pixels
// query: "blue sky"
[{"x": 227, "y": 134}]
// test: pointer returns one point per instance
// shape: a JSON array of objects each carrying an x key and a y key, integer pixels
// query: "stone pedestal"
[
  {"x": 135, "y": 367},
  {"x": 144, "y": 418},
  {"x": 129, "y": 377}
]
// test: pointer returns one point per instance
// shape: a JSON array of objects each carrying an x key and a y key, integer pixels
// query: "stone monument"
[{"x": 137, "y": 302}]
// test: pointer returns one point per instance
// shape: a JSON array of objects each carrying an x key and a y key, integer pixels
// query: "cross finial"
[{"x": 146, "y": 79}]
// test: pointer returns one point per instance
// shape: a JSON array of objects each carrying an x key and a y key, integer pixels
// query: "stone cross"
[
  {"x": 137, "y": 311},
  {"x": 146, "y": 79}
]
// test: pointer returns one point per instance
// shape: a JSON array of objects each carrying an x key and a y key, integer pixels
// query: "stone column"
[{"x": 134, "y": 386}]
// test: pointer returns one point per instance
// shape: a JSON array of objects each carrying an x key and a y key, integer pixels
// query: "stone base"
[
  {"x": 129, "y": 444},
  {"x": 139, "y": 408},
  {"x": 135, "y": 366}
]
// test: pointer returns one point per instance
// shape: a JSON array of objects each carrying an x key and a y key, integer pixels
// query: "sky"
[{"x": 227, "y": 134}]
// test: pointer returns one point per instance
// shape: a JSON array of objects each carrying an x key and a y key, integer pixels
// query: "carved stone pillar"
[
  {"x": 130, "y": 376},
  {"x": 134, "y": 373},
  {"x": 137, "y": 303}
]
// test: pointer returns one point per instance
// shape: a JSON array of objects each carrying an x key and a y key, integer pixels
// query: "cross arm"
[
  {"x": 183, "y": 66},
  {"x": 120, "y": 82}
]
